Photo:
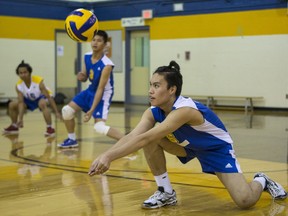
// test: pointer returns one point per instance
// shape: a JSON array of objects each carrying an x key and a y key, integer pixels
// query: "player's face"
[
  {"x": 23, "y": 73},
  {"x": 159, "y": 94},
  {"x": 97, "y": 44}
]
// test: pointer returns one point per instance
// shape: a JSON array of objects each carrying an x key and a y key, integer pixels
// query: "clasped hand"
[
  {"x": 81, "y": 77},
  {"x": 87, "y": 116},
  {"x": 99, "y": 166}
]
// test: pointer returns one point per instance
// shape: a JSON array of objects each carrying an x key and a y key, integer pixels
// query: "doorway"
[
  {"x": 137, "y": 65},
  {"x": 67, "y": 65}
]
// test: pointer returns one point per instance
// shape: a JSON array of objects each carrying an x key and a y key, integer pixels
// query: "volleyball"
[{"x": 81, "y": 25}]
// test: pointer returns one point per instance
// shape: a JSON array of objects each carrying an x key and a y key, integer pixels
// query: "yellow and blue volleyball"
[{"x": 81, "y": 25}]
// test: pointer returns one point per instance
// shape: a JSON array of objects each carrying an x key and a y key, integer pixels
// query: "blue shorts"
[
  {"x": 220, "y": 159},
  {"x": 32, "y": 105},
  {"x": 85, "y": 100}
]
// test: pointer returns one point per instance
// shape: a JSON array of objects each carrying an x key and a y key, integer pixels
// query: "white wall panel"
[
  {"x": 39, "y": 54},
  {"x": 230, "y": 66}
]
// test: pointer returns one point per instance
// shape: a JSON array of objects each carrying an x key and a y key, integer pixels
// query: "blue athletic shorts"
[
  {"x": 220, "y": 158},
  {"x": 85, "y": 100},
  {"x": 32, "y": 105}
]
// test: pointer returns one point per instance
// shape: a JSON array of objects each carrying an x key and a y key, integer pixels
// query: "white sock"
[
  {"x": 72, "y": 136},
  {"x": 15, "y": 125},
  {"x": 164, "y": 181},
  {"x": 261, "y": 180},
  {"x": 49, "y": 126}
]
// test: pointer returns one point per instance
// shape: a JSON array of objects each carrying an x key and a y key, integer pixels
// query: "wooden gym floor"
[{"x": 36, "y": 178}]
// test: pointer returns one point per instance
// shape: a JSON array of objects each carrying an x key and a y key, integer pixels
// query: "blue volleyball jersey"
[
  {"x": 85, "y": 98},
  {"x": 210, "y": 142},
  {"x": 212, "y": 132},
  {"x": 94, "y": 72}
]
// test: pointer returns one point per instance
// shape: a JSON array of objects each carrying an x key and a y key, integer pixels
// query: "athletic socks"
[
  {"x": 164, "y": 181},
  {"x": 261, "y": 180},
  {"x": 72, "y": 136}
]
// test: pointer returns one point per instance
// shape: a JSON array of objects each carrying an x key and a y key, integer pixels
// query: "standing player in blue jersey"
[
  {"x": 96, "y": 99},
  {"x": 187, "y": 129}
]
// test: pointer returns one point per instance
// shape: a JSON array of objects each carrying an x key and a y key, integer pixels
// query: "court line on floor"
[{"x": 63, "y": 167}]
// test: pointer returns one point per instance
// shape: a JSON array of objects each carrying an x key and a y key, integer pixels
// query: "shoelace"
[
  {"x": 66, "y": 141},
  {"x": 156, "y": 195},
  {"x": 274, "y": 189}
]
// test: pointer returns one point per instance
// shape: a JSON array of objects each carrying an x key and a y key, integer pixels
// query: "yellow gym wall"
[
  {"x": 263, "y": 22},
  {"x": 29, "y": 28},
  {"x": 248, "y": 23}
]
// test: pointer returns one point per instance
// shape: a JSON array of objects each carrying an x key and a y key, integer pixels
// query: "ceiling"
[{"x": 92, "y": 1}]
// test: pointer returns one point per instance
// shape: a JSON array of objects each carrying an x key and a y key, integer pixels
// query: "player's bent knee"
[
  {"x": 68, "y": 112},
  {"x": 101, "y": 127},
  {"x": 13, "y": 104},
  {"x": 245, "y": 204},
  {"x": 245, "y": 200},
  {"x": 42, "y": 104}
]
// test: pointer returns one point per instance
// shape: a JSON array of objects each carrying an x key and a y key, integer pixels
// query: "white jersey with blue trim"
[
  {"x": 208, "y": 135},
  {"x": 32, "y": 92}
]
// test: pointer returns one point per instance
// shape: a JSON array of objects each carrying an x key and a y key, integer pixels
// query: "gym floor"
[{"x": 37, "y": 178}]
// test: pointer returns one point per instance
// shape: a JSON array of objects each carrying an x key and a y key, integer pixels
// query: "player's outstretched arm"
[
  {"x": 152, "y": 136},
  {"x": 101, "y": 164}
]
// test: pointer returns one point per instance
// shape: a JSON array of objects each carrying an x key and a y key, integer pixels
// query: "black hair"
[
  {"x": 23, "y": 64},
  {"x": 102, "y": 34},
  {"x": 172, "y": 75}
]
